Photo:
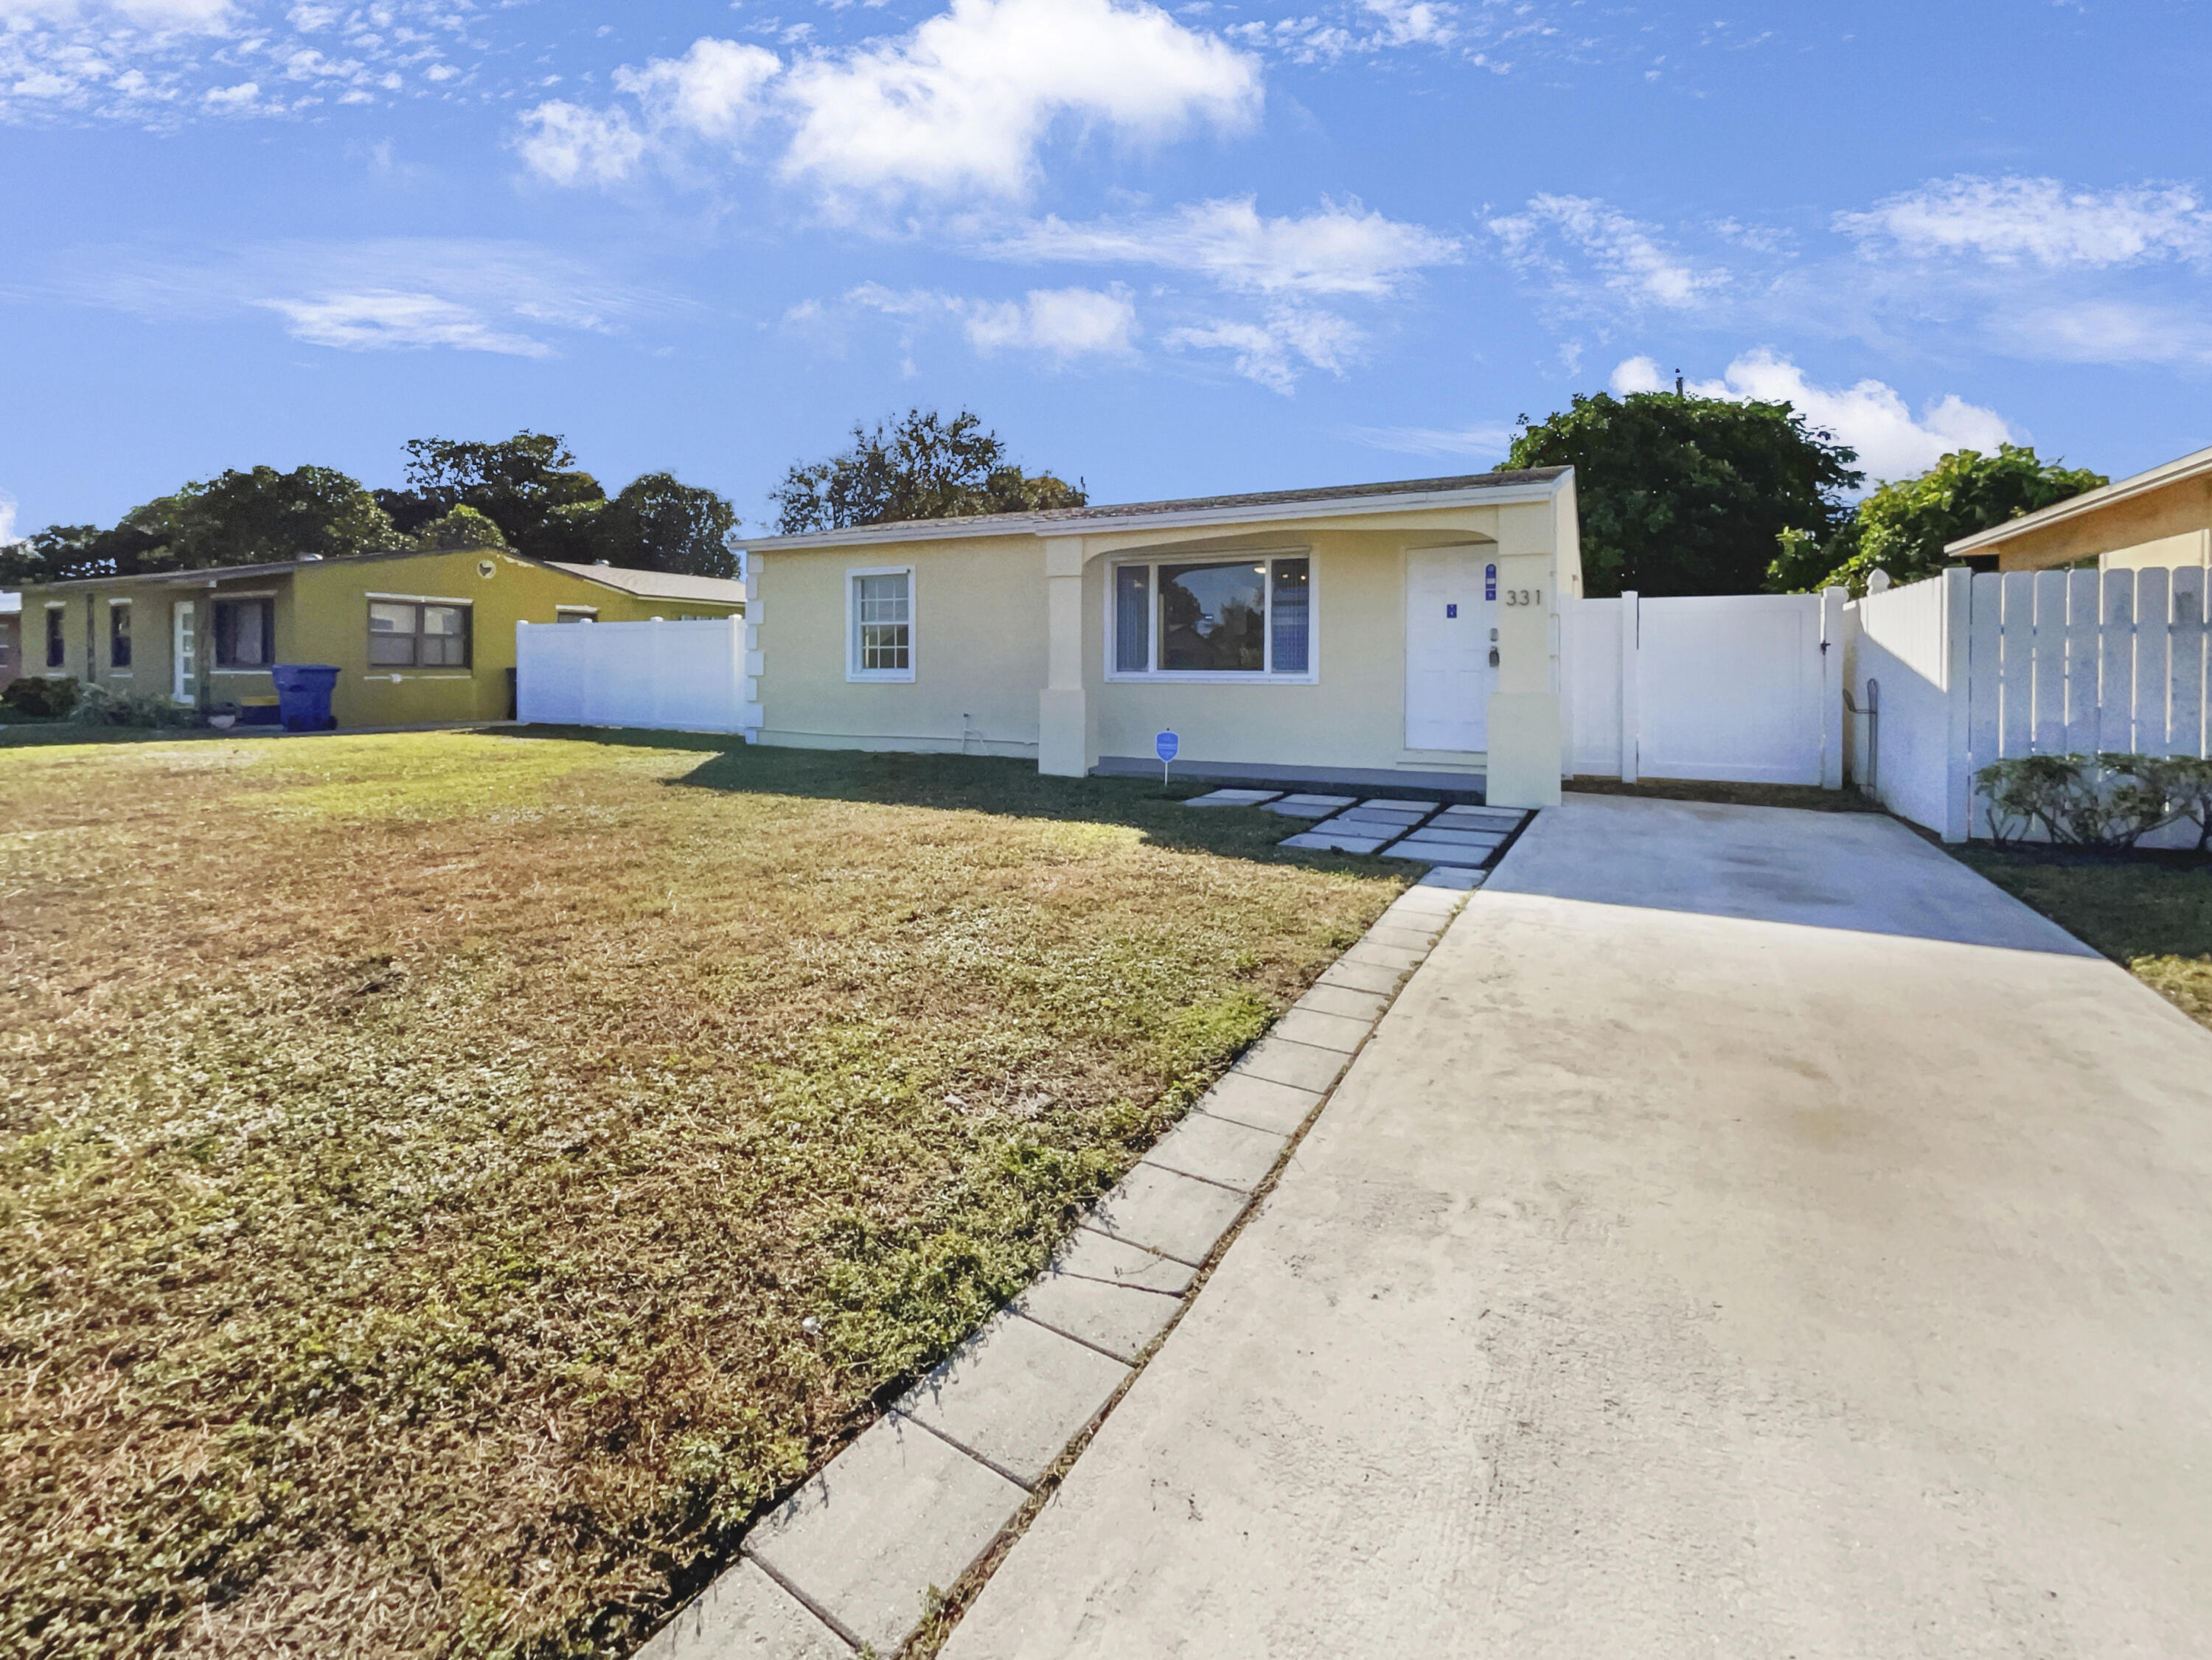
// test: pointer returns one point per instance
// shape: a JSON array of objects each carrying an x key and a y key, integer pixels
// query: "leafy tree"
[
  {"x": 1682, "y": 494},
  {"x": 1902, "y": 526},
  {"x": 922, "y": 467},
  {"x": 528, "y": 485},
  {"x": 236, "y": 518},
  {"x": 463, "y": 529},
  {"x": 657, "y": 524}
]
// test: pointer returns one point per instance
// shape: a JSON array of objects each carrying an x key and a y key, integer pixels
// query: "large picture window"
[
  {"x": 880, "y": 606},
  {"x": 57, "y": 637},
  {"x": 418, "y": 634},
  {"x": 245, "y": 634},
  {"x": 1251, "y": 616},
  {"x": 118, "y": 634}
]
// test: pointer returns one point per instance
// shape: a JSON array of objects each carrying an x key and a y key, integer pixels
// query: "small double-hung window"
[
  {"x": 880, "y": 606},
  {"x": 418, "y": 634},
  {"x": 1249, "y": 618}
]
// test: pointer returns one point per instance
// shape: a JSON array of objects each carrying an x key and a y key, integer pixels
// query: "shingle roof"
[
  {"x": 659, "y": 584},
  {"x": 988, "y": 524}
]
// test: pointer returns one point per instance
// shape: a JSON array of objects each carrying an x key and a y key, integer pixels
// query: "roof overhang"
[
  {"x": 1170, "y": 515},
  {"x": 2174, "y": 472}
]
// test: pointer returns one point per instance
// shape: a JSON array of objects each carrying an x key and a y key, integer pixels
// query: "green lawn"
[
  {"x": 450, "y": 1182},
  {"x": 2150, "y": 913}
]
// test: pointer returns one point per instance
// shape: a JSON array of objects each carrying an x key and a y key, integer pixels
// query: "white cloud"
[
  {"x": 192, "y": 16},
  {"x": 381, "y": 321},
  {"x": 713, "y": 91},
  {"x": 9, "y": 508},
  {"x": 960, "y": 105},
  {"x": 2110, "y": 331},
  {"x": 1335, "y": 250},
  {"x": 1275, "y": 352},
  {"x": 2038, "y": 221},
  {"x": 1482, "y": 443},
  {"x": 1408, "y": 22},
  {"x": 964, "y": 103},
  {"x": 570, "y": 144},
  {"x": 1870, "y": 416},
  {"x": 1062, "y": 323},
  {"x": 1627, "y": 254}
]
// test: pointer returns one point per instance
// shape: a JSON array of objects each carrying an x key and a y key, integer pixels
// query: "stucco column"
[
  {"x": 1525, "y": 736},
  {"x": 1063, "y": 716}
]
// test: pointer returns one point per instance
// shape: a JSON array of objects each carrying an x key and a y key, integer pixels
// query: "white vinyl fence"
[
  {"x": 1950, "y": 674},
  {"x": 675, "y": 676},
  {"x": 1743, "y": 687}
]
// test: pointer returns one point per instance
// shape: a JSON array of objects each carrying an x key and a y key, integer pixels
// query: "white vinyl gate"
[
  {"x": 674, "y": 676},
  {"x": 1738, "y": 688}
]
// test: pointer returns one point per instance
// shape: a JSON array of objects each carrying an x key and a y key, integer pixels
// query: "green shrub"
[
  {"x": 2107, "y": 801},
  {"x": 97, "y": 707},
  {"x": 42, "y": 697}
]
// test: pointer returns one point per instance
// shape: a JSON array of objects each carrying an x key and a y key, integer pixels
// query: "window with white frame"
[
  {"x": 881, "y": 633},
  {"x": 1250, "y": 617}
]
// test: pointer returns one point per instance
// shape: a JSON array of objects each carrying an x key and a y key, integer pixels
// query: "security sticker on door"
[
  {"x": 1451, "y": 610},
  {"x": 1489, "y": 582}
]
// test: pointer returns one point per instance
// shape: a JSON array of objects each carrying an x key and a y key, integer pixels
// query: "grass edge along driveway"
[{"x": 453, "y": 1181}]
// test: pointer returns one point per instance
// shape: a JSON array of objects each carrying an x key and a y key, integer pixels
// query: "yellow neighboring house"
[
  {"x": 2161, "y": 518},
  {"x": 1402, "y": 634},
  {"x": 418, "y": 638}
]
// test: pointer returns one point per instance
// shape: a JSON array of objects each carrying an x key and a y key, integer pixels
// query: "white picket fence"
[
  {"x": 1740, "y": 687},
  {"x": 1952, "y": 673},
  {"x": 673, "y": 676}
]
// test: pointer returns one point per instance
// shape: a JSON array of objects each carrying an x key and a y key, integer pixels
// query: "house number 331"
[{"x": 1524, "y": 595}]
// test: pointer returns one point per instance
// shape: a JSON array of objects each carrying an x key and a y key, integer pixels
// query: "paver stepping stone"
[
  {"x": 1338, "y": 841},
  {"x": 1487, "y": 818},
  {"x": 745, "y": 1613},
  {"x": 1310, "y": 807},
  {"x": 1177, "y": 1215},
  {"x": 1217, "y": 1150},
  {"x": 1015, "y": 1394},
  {"x": 1094, "y": 1256},
  {"x": 1402, "y": 939},
  {"x": 1385, "y": 956},
  {"x": 1233, "y": 798},
  {"x": 895, "y": 1512},
  {"x": 1452, "y": 878},
  {"x": 1260, "y": 1102},
  {"x": 1485, "y": 840},
  {"x": 1301, "y": 1065},
  {"x": 1424, "y": 908},
  {"x": 1342, "y": 1032},
  {"x": 1392, "y": 803},
  {"x": 1115, "y": 1318},
  {"x": 1366, "y": 1007}
]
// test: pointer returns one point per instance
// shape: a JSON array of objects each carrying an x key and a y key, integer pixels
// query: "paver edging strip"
[{"x": 943, "y": 1607}]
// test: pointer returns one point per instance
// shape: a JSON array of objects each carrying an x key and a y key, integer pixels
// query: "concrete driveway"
[{"x": 1750, "y": 1234}]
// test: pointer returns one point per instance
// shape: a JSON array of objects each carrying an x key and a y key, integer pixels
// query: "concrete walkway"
[{"x": 1749, "y": 1234}]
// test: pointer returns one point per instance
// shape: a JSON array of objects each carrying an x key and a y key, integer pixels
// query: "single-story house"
[
  {"x": 11, "y": 638},
  {"x": 419, "y": 638},
  {"x": 2163, "y": 516},
  {"x": 1402, "y": 634}
]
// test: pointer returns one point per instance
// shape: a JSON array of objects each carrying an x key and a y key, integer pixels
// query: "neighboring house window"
[
  {"x": 882, "y": 634},
  {"x": 1251, "y": 616},
  {"x": 575, "y": 613},
  {"x": 417, "y": 635},
  {"x": 119, "y": 635},
  {"x": 245, "y": 634},
  {"x": 57, "y": 646}
]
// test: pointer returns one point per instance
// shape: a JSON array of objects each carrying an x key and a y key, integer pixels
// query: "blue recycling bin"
[{"x": 303, "y": 696}]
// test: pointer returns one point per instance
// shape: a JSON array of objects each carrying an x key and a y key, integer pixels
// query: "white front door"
[
  {"x": 1449, "y": 624},
  {"x": 184, "y": 654}
]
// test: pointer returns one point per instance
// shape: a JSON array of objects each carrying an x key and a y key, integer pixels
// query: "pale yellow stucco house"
[
  {"x": 1399, "y": 634},
  {"x": 2161, "y": 518}
]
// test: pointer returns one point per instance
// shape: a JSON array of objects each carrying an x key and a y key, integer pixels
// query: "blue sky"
[{"x": 1213, "y": 247}]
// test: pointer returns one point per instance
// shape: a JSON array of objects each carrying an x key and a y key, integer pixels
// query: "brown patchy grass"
[
  {"x": 2151, "y": 912},
  {"x": 419, "y": 1153}
]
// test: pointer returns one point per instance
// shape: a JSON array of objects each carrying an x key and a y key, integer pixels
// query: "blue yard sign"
[{"x": 1164, "y": 745}]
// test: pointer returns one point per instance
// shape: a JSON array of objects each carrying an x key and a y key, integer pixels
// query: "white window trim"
[
  {"x": 113, "y": 601},
  {"x": 397, "y": 599},
  {"x": 1217, "y": 677},
  {"x": 853, "y": 672},
  {"x": 589, "y": 613}
]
